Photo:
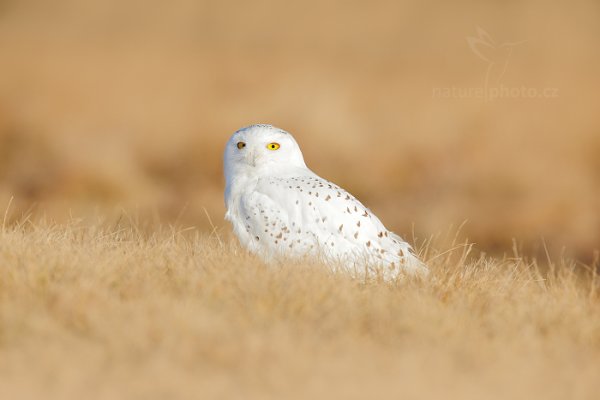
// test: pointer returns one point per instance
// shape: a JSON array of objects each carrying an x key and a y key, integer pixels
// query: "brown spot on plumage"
[
  {"x": 340, "y": 228},
  {"x": 328, "y": 198},
  {"x": 369, "y": 243},
  {"x": 380, "y": 234},
  {"x": 366, "y": 214},
  {"x": 256, "y": 237},
  {"x": 279, "y": 236},
  {"x": 356, "y": 235},
  {"x": 358, "y": 224}
]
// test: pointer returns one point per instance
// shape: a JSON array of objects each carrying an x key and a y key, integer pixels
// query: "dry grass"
[{"x": 92, "y": 312}]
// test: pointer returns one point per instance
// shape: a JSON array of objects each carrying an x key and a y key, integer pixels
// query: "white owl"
[{"x": 280, "y": 209}]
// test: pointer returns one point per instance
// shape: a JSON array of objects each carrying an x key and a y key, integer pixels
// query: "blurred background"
[{"x": 432, "y": 113}]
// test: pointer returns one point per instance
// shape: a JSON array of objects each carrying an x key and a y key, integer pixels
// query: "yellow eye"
[
  {"x": 241, "y": 145},
  {"x": 273, "y": 146}
]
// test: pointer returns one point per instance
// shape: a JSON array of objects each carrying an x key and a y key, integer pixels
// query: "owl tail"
[
  {"x": 415, "y": 267},
  {"x": 409, "y": 261}
]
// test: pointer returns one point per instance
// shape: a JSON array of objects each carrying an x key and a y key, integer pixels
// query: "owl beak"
[{"x": 253, "y": 158}]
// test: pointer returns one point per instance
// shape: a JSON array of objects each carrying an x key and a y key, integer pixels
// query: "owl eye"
[
  {"x": 273, "y": 146},
  {"x": 241, "y": 145}
]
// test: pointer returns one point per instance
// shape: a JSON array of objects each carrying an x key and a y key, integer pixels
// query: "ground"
[{"x": 104, "y": 311}]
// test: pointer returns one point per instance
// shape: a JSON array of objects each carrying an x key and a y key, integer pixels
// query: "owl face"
[{"x": 259, "y": 147}]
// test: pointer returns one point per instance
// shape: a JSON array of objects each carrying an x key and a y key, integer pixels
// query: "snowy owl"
[{"x": 280, "y": 209}]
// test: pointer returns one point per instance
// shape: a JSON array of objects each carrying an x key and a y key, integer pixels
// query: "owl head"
[{"x": 260, "y": 148}]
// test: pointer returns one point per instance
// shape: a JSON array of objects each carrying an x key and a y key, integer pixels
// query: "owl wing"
[{"x": 308, "y": 215}]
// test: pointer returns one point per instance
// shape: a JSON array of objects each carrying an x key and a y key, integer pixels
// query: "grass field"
[
  {"x": 119, "y": 277},
  {"x": 89, "y": 312}
]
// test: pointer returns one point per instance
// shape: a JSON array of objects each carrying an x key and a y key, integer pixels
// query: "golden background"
[{"x": 110, "y": 107}]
